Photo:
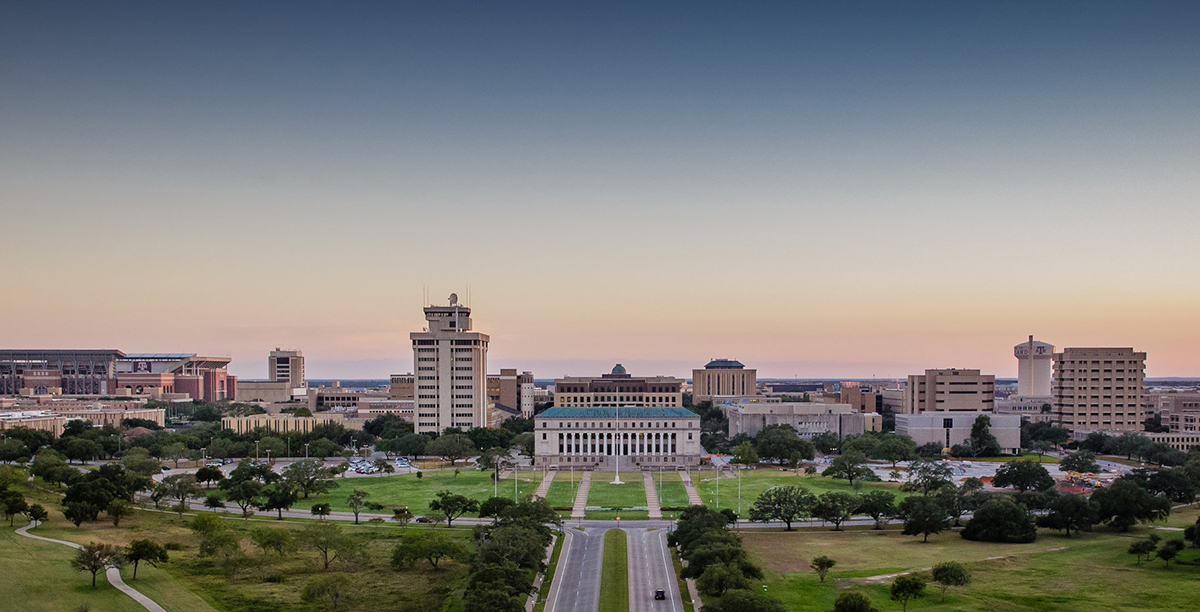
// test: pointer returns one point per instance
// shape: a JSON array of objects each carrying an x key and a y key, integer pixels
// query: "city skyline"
[{"x": 815, "y": 191}]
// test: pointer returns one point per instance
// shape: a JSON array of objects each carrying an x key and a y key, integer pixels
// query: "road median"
[{"x": 614, "y": 578}]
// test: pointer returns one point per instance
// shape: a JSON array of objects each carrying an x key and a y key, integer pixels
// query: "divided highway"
[{"x": 576, "y": 586}]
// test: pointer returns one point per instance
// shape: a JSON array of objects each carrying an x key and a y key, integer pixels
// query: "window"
[{"x": 948, "y": 423}]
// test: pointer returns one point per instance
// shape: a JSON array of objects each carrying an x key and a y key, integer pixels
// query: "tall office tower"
[
  {"x": 950, "y": 390},
  {"x": 1099, "y": 389},
  {"x": 450, "y": 362},
  {"x": 286, "y": 366},
  {"x": 1034, "y": 368}
]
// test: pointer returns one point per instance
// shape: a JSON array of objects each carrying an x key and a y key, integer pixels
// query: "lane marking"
[
  {"x": 566, "y": 557},
  {"x": 663, "y": 547}
]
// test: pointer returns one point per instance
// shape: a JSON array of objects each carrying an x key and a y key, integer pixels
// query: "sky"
[{"x": 847, "y": 189}]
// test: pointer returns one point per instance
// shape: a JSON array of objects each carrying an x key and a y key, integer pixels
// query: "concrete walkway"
[
  {"x": 692, "y": 493},
  {"x": 652, "y": 497},
  {"x": 585, "y": 482},
  {"x": 544, "y": 488},
  {"x": 113, "y": 574}
]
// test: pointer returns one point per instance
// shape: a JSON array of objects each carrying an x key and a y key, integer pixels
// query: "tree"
[
  {"x": 402, "y": 516},
  {"x": 879, "y": 505},
  {"x": 927, "y": 477},
  {"x": 721, "y": 577},
  {"x": 851, "y": 466},
  {"x": 894, "y": 447},
  {"x": 825, "y": 441},
  {"x": 923, "y": 516},
  {"x": 384, "y": 466},
  {"x": 495, "y": 506},
  {"x": 786, "y": 504},
  {"x": 1169, "y": 550},
  {"x": 356, "y": 501},
  {"x": 779, "y": 442},
  {"x": 950, "y": 573},
  {"x": 95, "y": 557},
  {"x": 310, "y": 477},
  {"x": 335, "y": 588},
  {"x": 208, "y": 475},
  {"x": 523, "y": 442},
  {"x": 1191, "y": 534},
  {"x": 493, "y": 459},
  {"x": 835, "y": 507},
  {"x": 411, "y": 445},
  {"x": 432, "y": 546},
  {"x": 821, "y": 565},
  {"x": 982, "y": 440},
  {"x": 1124, "y": 504},
  {"x": 930, "y": 450},
  {"x": 139, "y": 461},
  {"x": 1069, "y": 512},
  {"x": 118, "y": 509},
  {"x": 853, "y": 602},
  {"x": 1023, "y": 476},
  {"x": 174, "y": 452},
  {"x": 12, "y": 503},
  {"x": 744, "y": 600},
  {"x": 323, "y": 510},
  {"x": 1144, "y": 547},
  {"x": 1083, "y": 461},
  {"x": 273, "y": 538},
  {"x": 279, "y": 497},
  {"x": 146, "y": 551},
  {"x": 180, "y": 487},
  {"x": 1001, "y": 520},
  {"x": 245, "y": 494},
  {"x": 452, "y": 447},
  {"x": 214, "y": 502},
  {"x": 906, "y": 587},
  {"x": 744, "y": 454},
  {"x": 329, "y": 541},
  {"x": 80, "y": 512},
  {"x": 36, "y": 514},
  {"x": 453, "y": 505}
]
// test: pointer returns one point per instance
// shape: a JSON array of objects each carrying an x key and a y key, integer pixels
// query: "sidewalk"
[
  {"x": 544, "y": 488},
  {"x": 581, "y": 496},
  {"x": 652, "y": 497},
  {"x": 693, "y": 495}
]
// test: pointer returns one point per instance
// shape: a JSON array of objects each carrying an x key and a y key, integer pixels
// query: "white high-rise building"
[
  {"x": 1035, "y": 366},
  {"x": 450, "y": 364}
]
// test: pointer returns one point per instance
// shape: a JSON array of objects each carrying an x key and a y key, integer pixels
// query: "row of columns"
[{"x": 626, "y": 444}]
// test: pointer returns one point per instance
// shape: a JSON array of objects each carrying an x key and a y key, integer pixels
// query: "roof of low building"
[
  {"x": 632, "y": 412},
  {"x": 723, "y": 363}
]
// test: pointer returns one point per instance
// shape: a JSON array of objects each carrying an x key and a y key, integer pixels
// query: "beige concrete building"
[
  {"x": 859, "y": 396},
  {"x": 807, "y": 418},
  {"x": 450, "y": 362},
  {"x": 724, "y": 377},
  {"x": 618, "y": 388},
  {"x": 597, "y": 438},
  {"x": 282, "y": 423},
  {"x": 56, "y": 419},
  {"x": 286, "y": 367},
  {"x": 1032, "y": 409},
  {"x": 950, "y": 389},
  {"x": 403, "y": 387},
  {"x": 1179, "y": 411},
  {"x": 286, "y": 382},
  {"x": 511, "y": 393},
  {"x": 950, "y": 428},
  {"x": 1099, "y": 389},
  {"x": 1178, "y": 440}
]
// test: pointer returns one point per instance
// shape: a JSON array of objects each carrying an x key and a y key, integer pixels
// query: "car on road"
[
  {"x": 660, "y": 594},
  {"x": 165, "y": 468},
  {"x": 423, "y": 519}
]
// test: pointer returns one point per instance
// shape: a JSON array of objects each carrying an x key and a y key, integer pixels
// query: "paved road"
[
  {"x": 650, "y": 569},
  {"x": 576, "y": 585}
]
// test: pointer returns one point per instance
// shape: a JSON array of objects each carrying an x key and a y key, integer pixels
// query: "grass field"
[
  {"x": 754, "y": 482},
  {"x": 1006, "y": 459},
  {"x": 614, "y": 577},
  {"x": 416, "y": 493},
  {"x": 189, "y": 583},
  {"x": 562, "y": 490},
  {"x": 628, "y": 495},
  {"x": 548, "y": 576},
  {"x": 1085, "y": 572}
]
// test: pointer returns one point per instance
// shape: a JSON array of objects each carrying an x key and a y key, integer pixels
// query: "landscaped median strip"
[
  {"x": 113, "y": 574},
  {"x": 614, "y": 578},
  {"x": 547, "y": 578}
]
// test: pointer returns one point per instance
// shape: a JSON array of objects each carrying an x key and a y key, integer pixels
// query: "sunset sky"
[{"x": 844, "y": 190}]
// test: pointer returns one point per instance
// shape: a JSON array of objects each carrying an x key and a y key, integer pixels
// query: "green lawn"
[
  {"x": 562, "y": 491},
  {"x": 754, "y": 482},
  {"x": 1054, "y": 573},
  {"x": 408, "y": 490},
  {"x": 614, "y": 577},
  {"x": 548, "y": 576},
  {"x": 1006, "y": 459},
  {"x": 38, "y": 576},
  {"x": 628, "y": 495}
]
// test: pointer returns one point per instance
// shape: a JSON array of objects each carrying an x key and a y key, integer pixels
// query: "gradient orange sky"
[{"x": 834, "y": 192}]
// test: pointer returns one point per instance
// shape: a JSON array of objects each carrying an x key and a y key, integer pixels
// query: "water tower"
[{"x": 1034, "y": 369}]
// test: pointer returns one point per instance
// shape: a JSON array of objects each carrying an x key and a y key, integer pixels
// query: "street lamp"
[
  {"x": 306, "y": 450},
  {"x": 256, "y": 450}
]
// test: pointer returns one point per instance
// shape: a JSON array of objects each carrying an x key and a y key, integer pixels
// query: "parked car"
[{"x": 165, "y": 468}]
